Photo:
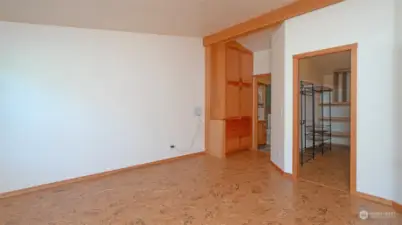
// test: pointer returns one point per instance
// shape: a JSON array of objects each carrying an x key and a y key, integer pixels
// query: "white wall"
[
  {"x": 278, "y": 96},
  {"x": 398, "y": 92},
  {"x": 328, "y": 80},
  {"x": 346, "y": 23},
  {"x": 78, "y": 101},
  {"x": 262, "y": 62}
]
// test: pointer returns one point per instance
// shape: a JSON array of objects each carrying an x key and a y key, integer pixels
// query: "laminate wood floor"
[
  {"x": 330, "y": 169},
  {"x": 244, "y": 189}
]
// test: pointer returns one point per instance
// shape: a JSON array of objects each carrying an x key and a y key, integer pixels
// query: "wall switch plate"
[{"x": 198, "y": 111}]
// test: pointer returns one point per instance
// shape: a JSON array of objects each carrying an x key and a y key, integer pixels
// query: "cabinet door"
[
  {"x": 245, "y": 143},
  {"x": 232, "y": 135},
  {"x": 232, "y": 144},
  {"x": 232, "y": 101},
  {"x": 245, "y": 133},
  {"x": 232, "y": 65},
  {"x": 246, "y": 101},
  {"x": 246, "y": 67}
]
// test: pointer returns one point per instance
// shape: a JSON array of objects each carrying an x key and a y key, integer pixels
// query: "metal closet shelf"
[{"x": 316, "y": 131}]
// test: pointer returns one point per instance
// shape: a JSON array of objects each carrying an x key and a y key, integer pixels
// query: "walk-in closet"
[{"x": 324, "y": 124}]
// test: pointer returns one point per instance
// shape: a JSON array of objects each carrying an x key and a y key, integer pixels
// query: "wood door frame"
[
  {"x": 255, "y": 109},
  {"x": 353, "y": 107}
]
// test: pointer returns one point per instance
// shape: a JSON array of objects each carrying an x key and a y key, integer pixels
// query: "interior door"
[{"x": 262, "y": 132}]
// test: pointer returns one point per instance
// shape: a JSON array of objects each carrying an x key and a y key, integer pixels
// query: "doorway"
[
  {"x": 324, "y": 124},
  {"x": 262, "y": 109},
  {"x": 260, "y": 42}
]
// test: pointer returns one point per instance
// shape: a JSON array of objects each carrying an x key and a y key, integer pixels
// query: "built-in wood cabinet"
[
  {"x": 232, "y": 64},
  {"x": 246, "y": 60},
  {"x": 232, "y": 136},
  {"x": 238, "y": 134},
  {"x": 232, "y": 101},
  {"x": 246, "y": 106},
  {"x": 231, "y": 97}
]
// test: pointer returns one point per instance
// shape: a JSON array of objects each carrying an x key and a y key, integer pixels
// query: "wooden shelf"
[
  {"x": 336, "y": 119},
  {"x": 341, "y": 134},
  {"x": 336, "y": 104}
]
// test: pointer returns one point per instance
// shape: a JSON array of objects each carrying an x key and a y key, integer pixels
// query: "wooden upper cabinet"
[
  {"x": 232, "y": 101},
  {"x": 246, "y": 101},
  {"x": 246, "y": 62},
  {"x": 232, "y": 64},
  {"x": 239, "y": 70}
]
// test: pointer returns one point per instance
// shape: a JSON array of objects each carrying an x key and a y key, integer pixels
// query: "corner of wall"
[
  {"x": 397, "y": 96},
  {"x": 262, "y": 62},
  {"x": 278, "y": 97}
]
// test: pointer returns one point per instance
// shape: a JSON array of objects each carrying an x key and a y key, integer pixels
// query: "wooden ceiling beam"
[{"x": 269, "y": 19}]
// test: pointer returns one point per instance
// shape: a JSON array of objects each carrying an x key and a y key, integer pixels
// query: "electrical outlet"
[{"x": 198, "y": 111}]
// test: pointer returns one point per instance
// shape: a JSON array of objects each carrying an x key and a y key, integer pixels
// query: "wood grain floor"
[
  {"x": 243, "y": 189},
  {"x": 331, "y": 169}
]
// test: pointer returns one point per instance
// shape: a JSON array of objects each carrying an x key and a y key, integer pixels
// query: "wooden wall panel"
[
  {"x": 216, "y": 138},
  {"x": 208, "y": 85},
  {"x": 217, "y": 80}
]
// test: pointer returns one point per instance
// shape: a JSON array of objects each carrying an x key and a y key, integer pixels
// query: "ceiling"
[
  {"x": 327, "y": 64},
  {"x": 257, "y": 41},
  {"x": 173, "y": 17}
]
